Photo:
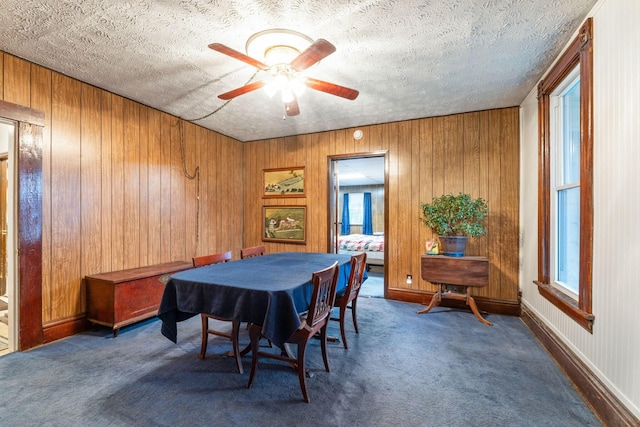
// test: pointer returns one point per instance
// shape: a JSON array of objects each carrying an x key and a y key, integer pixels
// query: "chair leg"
[
  {"x": 353, "y": 314},
  {"x": 254, "y": 336},
  {"x": 302, "y": 374},
  {"x": 343, "y": 312},
  {"x": 205, "y": 336},
  {"x": 323, "y": 346}
]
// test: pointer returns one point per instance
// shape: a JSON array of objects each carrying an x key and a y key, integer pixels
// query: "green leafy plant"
[{"x": 459, "y": 215}]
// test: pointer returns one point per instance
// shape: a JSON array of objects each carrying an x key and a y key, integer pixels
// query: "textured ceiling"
[{"x": 408, "y": 58}]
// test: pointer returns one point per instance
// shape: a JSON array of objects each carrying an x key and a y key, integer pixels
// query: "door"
[
  {"x": 3, "y": 222},
  {"x": 23, "y": 128},
  {"x": 361, "y": 178},
  {"x": 7, "y": 130}
]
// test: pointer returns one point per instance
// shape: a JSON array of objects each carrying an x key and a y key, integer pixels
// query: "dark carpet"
[{"x": 439, "y": 369}]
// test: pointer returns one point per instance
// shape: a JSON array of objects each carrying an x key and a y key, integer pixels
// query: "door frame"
[
  {"x": 332, "y": 217},
  {"x": 4, "y": 207},
  {"x": 28, "y": 218}
]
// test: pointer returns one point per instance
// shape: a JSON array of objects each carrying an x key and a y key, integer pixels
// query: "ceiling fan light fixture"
[
  {"x": 271, "y": 88},
  {"x": 278, "y": 55},
  {"x": 277, "y": 46},
  {"x": 278, "y": 83},
  {"x": 297, "y": 85},
  {"x": 285, "y": 82},
  {"x": 287, "y": 95}
]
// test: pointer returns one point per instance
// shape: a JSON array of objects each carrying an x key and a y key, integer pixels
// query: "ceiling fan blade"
[
  {"x": 238, "y": 55},
  {"x": 316, "y": 52},
  {"x": 242, "y": 90},
  {"x": 292, "y": 107},
  {"x": 332, "y": 88}
]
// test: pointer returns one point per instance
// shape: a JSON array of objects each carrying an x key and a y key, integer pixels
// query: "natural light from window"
[{"x": 565, "y": 131}]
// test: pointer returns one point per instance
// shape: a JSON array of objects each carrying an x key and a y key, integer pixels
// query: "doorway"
[
  {"x": 24, "y": 129},
  {"x": 358, "y": 214},
  {"x": 7, "y": 285}
]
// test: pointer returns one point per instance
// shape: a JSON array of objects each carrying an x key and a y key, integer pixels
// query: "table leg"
[
  {"x": 474, "y": 308},
  {"x": 435, "y": 300},
  {"x": 286, "y": 351}
]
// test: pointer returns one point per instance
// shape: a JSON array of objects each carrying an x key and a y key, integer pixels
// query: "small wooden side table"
[{"x": 451, "y": 274}]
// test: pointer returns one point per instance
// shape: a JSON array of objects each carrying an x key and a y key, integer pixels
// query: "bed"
[{"x": 373, "y": 245}]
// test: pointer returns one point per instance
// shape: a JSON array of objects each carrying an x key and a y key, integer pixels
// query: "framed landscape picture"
[
  {"x": 283, "y": 182},
  {"x": 284, "y": 224}
]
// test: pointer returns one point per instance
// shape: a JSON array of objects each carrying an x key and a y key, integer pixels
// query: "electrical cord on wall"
[
  {"x": 223, "y": 105},
  {"x": 196, "y": 173}
]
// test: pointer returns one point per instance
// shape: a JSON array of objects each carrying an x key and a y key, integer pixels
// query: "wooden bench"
[{"x": 120, "y": 298}]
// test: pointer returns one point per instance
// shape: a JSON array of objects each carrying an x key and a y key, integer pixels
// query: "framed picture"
[
  {"x": 283, "y": 182},
  {"x": 284, "y": 224}
]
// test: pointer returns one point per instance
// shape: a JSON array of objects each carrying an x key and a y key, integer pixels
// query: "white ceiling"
[
  {"x": 408, "y": 58},
  {"x": 361, "y": 171}
]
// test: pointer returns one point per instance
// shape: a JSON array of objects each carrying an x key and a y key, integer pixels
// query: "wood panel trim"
[
  {"x": 64, "y": 328},
  {"x": 20, "y": 113},
  {"x": 29, "y": 157},
  {"x": 605, "y": 405},
  {"x": 567, "y": 305}
]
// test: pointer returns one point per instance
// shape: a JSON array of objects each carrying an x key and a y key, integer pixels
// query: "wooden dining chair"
[
  {"x": 349, "y": 295},
  {"x": 199, "y": 261},
  {"x": 314, "y": 320},
  {"x": 252, "y": 251},
  {"x": 218, "y": 258}
]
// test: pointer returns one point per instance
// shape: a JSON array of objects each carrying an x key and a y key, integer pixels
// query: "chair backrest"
[
  {"x": 199, "y": 261},
  {"x": 252, "y": 251},
  {"x": 323, "y": 296},
  {"x": 358, "y": 265}
]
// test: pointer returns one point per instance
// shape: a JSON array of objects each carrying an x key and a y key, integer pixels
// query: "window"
[
  {"x": 356, "y": 208},
  {"x": 565, "y": 184},
  {"x": 565, "y": 216}
]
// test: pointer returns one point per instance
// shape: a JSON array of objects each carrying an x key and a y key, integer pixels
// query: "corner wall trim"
[{"x": 603, "y": 402}]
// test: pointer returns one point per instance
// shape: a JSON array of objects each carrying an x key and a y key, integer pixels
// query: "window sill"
[{"x": 567, "y": 305}]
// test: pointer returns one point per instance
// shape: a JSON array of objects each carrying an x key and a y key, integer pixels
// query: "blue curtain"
[
  {"x": 346, "y": 225},
  {"x": 367, "y": 218}
]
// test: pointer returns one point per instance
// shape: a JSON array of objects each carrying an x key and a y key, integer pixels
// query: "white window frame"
[{"x": 557, "y": 183}]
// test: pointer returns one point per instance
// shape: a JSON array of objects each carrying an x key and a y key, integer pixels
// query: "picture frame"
[
  {"x": 286, "y": 224},
  {"x": 283, "y": 182}
]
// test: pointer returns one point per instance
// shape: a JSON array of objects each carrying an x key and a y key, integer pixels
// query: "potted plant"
[{"x": 454, "y": 219}]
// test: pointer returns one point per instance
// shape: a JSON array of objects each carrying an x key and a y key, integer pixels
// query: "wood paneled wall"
[
  {"x": 117, "y": 193},
  {"x": 476, "y": 153},
  {"x": 124, "y": 185}
]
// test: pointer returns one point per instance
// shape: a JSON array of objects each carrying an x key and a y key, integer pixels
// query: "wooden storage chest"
[{"x": 120, "y": 298}]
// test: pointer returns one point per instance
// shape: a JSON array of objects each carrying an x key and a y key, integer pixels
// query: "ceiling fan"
[{"x": 285, "y": 59}]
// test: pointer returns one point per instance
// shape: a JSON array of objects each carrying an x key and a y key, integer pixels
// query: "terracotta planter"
[{"x": 453, "y": 245}]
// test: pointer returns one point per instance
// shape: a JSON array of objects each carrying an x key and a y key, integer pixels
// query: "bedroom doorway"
[
  {"x": 7, "y": 288},
  {"x": 358, "y": 213}
]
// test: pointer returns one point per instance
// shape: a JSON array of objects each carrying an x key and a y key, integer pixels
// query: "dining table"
[{"x": 270, "y": 290}]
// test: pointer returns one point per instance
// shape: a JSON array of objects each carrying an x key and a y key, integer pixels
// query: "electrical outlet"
[{"x": 409, "y": 279}]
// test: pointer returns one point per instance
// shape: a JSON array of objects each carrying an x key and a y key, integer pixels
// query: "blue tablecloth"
[{"x": 269, "y": 290}]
